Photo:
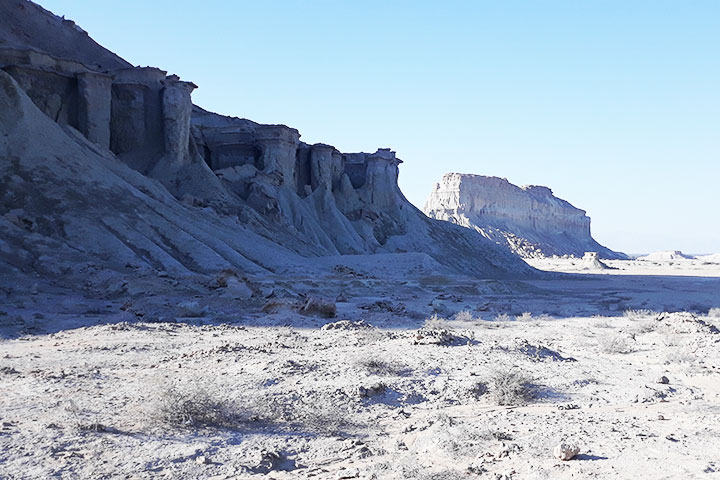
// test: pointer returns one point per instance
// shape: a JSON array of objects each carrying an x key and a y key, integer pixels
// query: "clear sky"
[{"x": 615, "y": 105}]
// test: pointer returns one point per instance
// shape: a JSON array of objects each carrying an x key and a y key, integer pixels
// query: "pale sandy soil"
[{"x": 83, "y": 379}]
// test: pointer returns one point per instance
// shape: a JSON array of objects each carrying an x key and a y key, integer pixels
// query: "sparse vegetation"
[
  {"x": 524, "y": 317},
  {"x": 617, "y": 343},
  {"x": 465, "y": 316},
  {"x": 511, "y": 387},
  {"x": 80, "y": 418},
  {"x": 376, "y": 366},
  {"x": 638, "y": 313},
  {"x": 502, "y": 317},
  {"x": 436, "y": 322},
  {"x": 714, "y": 312},
  {"x": 193, "y": 405},
  {"x": 478, "y": 389},
  {"x": 643, "y": 327}
]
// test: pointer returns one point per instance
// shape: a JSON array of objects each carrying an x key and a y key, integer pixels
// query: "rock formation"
[
  {"x": 529, "y": 220},
  {"x": 110, "y": 163},
  {"x": 666, "y": 256}
]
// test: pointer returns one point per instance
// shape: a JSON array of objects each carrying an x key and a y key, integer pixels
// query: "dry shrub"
[
  {"x": 376, "y": 366},
  {"x": 437, "y": 323},
  {"x": 616, "y": 343},
  {"x": 193, "y": 405},
  {"x": 511, "y": 387},
  {"x": 638, "y": 313},
  {"x": 465, "y": 316}
]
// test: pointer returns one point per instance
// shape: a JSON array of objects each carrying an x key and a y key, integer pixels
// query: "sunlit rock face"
[{"x": 528, "y": 220}]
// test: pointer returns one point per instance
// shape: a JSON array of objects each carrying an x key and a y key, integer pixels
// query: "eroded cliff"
[{"x": 140, "y": 175}]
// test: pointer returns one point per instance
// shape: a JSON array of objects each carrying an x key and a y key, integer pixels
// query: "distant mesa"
[
  {"x": 529, "y": 221},
  {"x": 665, "y": 256}
]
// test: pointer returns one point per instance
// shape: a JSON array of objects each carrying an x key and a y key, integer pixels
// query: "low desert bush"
[
  {"x": 478, "y": 389},
  {"x": 465, "y": 316},
  {"x": 714, "y": 312},
  {"x": 81, "y": 418},
  {"x": 524, "y": 317},
  {"x": 193, "y": 405},
  {"x": 502, "y": 317},
  {"x": 616, "y": 343},
  {"x": 643, "y": 327},
  {"x": 511, "y": 387},
  {"x": 638, "y": 313},
  {"x": 377, "y": 366},
  {"x": 437, "y": 323}
]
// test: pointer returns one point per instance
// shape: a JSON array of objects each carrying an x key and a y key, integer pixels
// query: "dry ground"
[{"x": 125, "y": 387}]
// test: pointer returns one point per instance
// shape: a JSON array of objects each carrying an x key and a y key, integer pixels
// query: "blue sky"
[{"x": 615, "y": 105}]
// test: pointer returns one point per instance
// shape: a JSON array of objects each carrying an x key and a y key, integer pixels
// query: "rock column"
[
  {"x": 95, "y": 97},
  {"x": 279, "y": 145},
  {"x": 177, "y": 110}
]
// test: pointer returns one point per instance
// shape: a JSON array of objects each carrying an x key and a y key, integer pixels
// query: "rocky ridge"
[{"x": 528, "y": 220}]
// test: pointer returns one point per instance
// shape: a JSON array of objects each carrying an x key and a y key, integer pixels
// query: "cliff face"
[
  {"x": 140, "y": 173},
  {"x": 528, "y": 220}
]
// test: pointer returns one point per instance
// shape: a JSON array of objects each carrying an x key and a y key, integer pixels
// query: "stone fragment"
[
  {"x": 565, "y": 451},
  {"x": 319, "y": 306}
]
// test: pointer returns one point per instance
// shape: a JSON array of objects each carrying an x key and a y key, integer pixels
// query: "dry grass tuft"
[{"x": 617, "y": 343}]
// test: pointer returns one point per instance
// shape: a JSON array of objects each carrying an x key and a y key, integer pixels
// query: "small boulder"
[
  {"x": 663, "y": 380},
  {"x": 319, "y": 306},
  {"x": 371, "y": 390},
  {"x": 565, "y": 451}
]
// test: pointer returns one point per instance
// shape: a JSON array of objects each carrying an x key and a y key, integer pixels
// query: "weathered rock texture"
[
  {"x": 529, "y": 220},
  {"x": 111, "y": 163}
]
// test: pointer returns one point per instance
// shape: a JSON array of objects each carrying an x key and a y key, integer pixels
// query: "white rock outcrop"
[
  {"x": 591, "y": 261},
  {"x": 529, "y": 220},
  {"x": 712, "y": 258},
  {"x": 666, "y": 256}
]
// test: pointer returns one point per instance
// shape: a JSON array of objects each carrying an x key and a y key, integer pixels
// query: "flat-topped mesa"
[{"x": 528, "y": 220}]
